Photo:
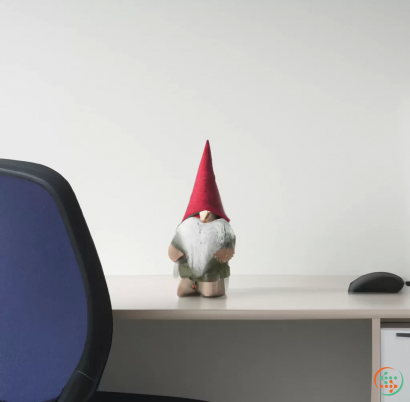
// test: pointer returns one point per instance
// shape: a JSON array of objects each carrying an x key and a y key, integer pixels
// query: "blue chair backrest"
[{"x": 49, "y": 328}]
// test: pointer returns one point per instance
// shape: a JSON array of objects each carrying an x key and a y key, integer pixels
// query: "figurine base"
[
  {"x": 207, "y": 289},
  {"x": 212, "y": 289}
]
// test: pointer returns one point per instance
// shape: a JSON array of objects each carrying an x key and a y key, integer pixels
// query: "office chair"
[{"x": 55, "y": 311}]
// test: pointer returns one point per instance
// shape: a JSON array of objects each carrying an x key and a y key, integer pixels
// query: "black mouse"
[{"x": 377, "y": 282}]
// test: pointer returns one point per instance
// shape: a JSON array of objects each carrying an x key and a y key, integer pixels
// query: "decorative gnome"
[{"x": 204, "y": 242}]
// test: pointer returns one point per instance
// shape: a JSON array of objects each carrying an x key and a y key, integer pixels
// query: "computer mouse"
[{"x": 377, "y": 282}]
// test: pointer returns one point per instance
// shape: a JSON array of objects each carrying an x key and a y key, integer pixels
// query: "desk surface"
[{"x": 253, "y": 298}]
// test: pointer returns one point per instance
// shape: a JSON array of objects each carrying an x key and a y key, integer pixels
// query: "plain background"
[
  {"x": 306, "y": 105},
  {"x": 238, "y": 361}
]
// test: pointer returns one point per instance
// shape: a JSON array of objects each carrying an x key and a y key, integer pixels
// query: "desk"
[
  {"x": 254, "y": 298},
  {"x": 260, "y": 298}
]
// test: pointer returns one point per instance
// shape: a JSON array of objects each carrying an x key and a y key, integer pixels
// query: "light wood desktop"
[{"x": 260, "y": 298}]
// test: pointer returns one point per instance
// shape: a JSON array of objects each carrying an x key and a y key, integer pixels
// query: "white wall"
[{"x": 306, "y": 105}]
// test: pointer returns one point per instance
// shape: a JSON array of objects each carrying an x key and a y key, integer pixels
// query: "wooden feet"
[{"x": 207, "y": 289}]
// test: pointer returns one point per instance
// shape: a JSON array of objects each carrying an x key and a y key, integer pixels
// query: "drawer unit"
[{"x": 395, "y": 353}]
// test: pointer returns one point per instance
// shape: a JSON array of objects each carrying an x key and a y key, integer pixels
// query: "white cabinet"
[{"x": 395, "y": 353}]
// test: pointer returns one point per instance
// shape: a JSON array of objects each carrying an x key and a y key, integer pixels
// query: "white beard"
[{"x": 200, "y": 241}]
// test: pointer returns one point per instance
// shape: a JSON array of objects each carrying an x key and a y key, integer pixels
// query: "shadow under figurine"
[{"x": 204, "y": 242}]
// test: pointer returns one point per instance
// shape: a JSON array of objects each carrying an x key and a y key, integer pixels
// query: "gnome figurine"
[{"x": 204, "y": 242}]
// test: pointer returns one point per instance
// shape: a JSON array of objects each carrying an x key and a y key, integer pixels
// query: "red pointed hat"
[{"x": 205, "y": 196}]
